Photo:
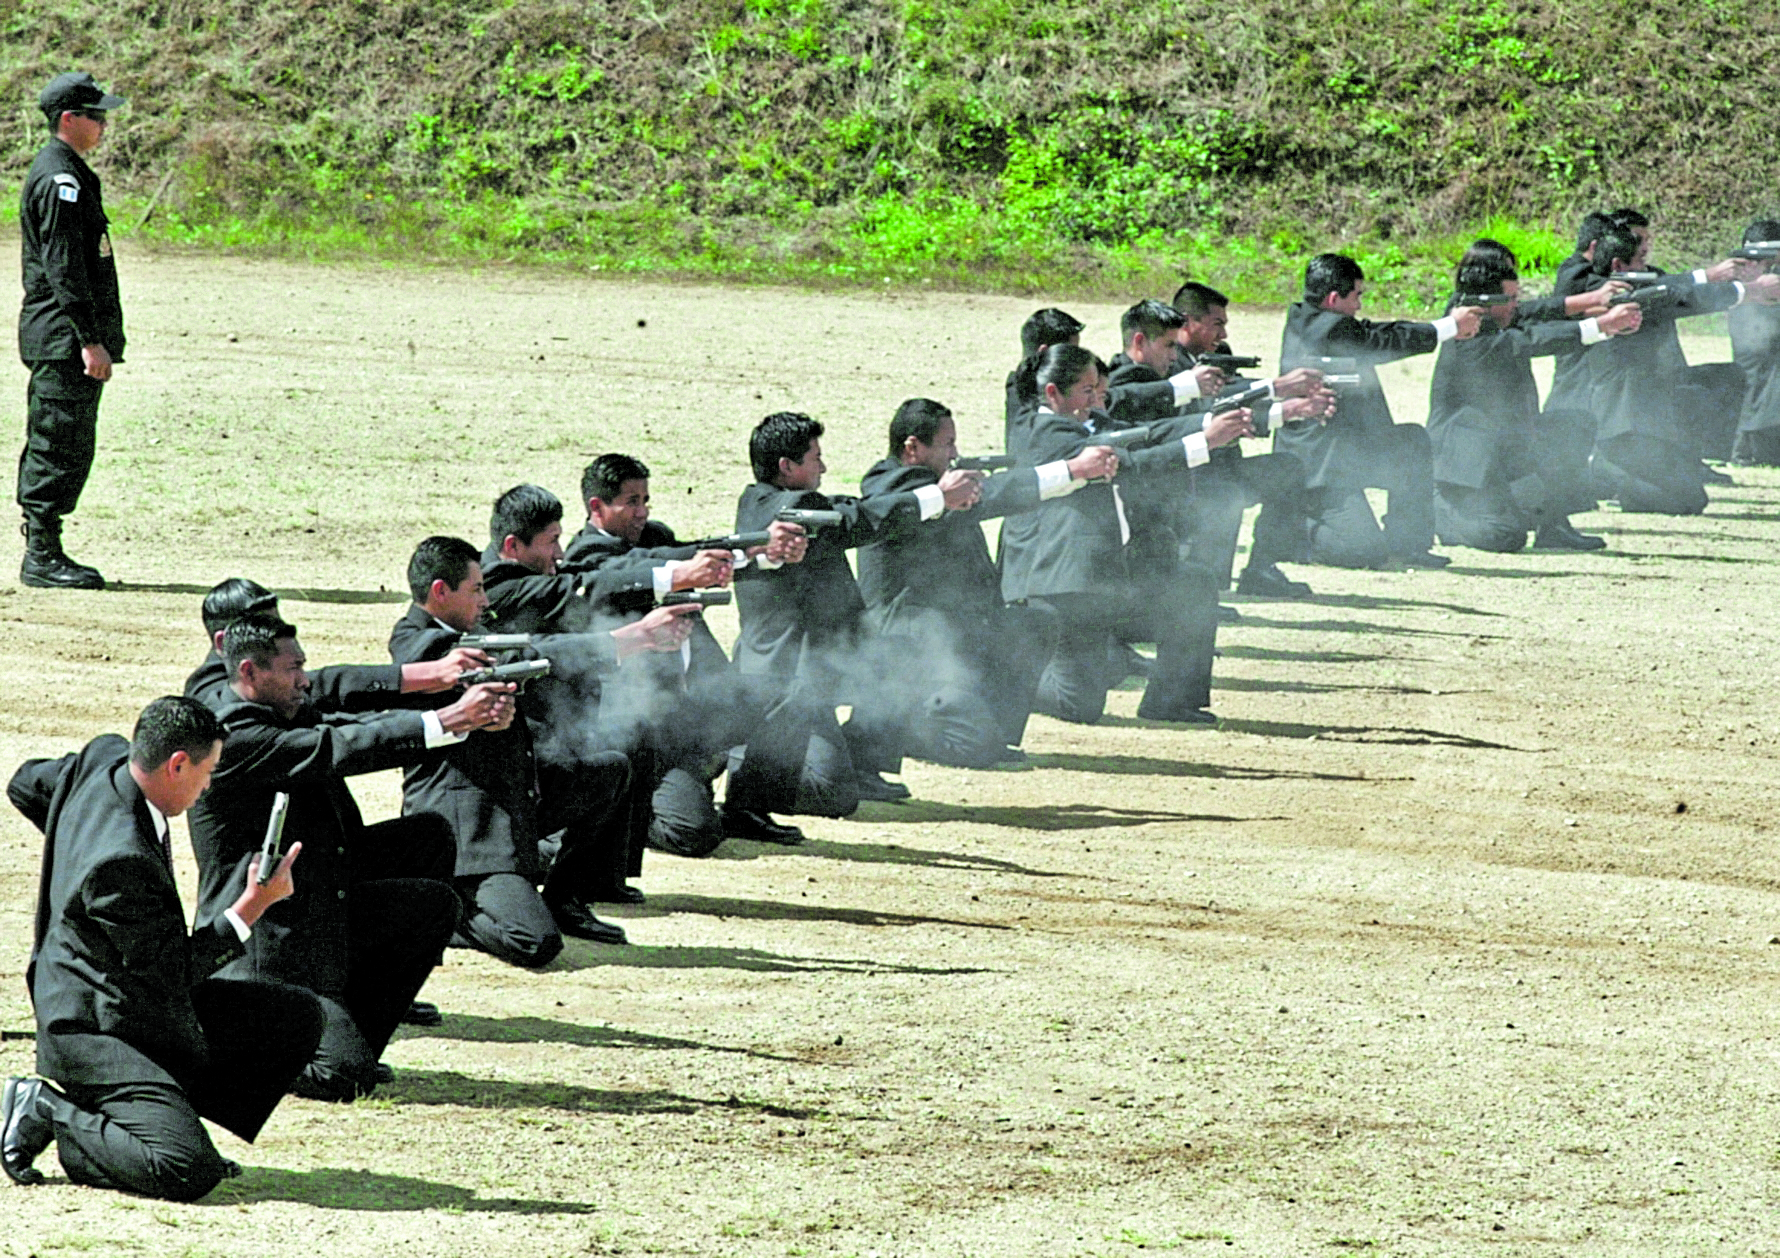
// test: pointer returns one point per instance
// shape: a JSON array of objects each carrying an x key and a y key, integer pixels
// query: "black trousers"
[
  {"x": 1758, "y": 447},
  {"x": 1343, "y": 531},
  {"x": 1713, "y": 394},
  {"x": 1223, "y": 490},
  {"x": 591, "y": 803},
  {"x": 800, "y": 760},
  {"x": 952, "y": 688},
  {"x": 61, "y": 425},
  {"x": 719, "y": 709},
  {"x": 1542, "y": 481},
  {"x": 1177, "y": 611},
  {"x": 399, "y": 929},
  {"x": 1649, "y": 475},
  {"x": 146, "y": 1138},
  {"x": 504, "y": 916}
]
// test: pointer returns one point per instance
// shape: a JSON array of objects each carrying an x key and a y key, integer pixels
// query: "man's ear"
[
  {"x": 178, "y": 762},
  {"x": 785, "y": 466},
  {"x": 216, "y": 640},
  {"x": 437, "y": 590},
  {"x": 509, "y": 546}
]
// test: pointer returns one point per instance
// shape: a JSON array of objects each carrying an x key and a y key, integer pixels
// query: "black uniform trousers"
[
  {"x": 1649, "y": 475},
  {"x": 951, "y": 689},
  {"x": 691, "y": 744},
  {"x": 61, "y": 427},
  {"x": 1176, "y": 610},
  {"x": 1223, "y": 491},
  {"x": 1529, "y": 489},
  {"x": 1714, "y": 396},
  {"x": 401, "y": 913},
  {"x": 146, "y": 1138},
  {"x": 801, "y": 760},
  {"x": 1343, "y": 531},
  {"x": 586, "y": 811}
]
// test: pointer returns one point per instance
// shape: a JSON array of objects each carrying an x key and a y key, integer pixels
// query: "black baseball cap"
[{"x": 75, "y": 90}]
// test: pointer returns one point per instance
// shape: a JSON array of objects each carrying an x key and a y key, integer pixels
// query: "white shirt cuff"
[
  {"x": 1198, "y": 452},
  {"x": 1186, "y": 387},
  {"x": 435, "y": 732},
  {"x": 766, "y": 565},
  {"x": 241, "y": 928},
  {"x": 1272, "y": 391},
  {"x": 1700, "y": 277},
  {"x": 932, "y": 499},
  {"x": 663, "y": 577},
  {"x": 1591, "y": 332},
  {"x": 1741, "y": 291},
  {"x": 1054, "y": 481},
  {"x": 1446, "y": 328}
]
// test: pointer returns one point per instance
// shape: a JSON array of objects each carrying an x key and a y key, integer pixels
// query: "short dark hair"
[
  {"x": 1629, "y": 217},
  {"x": 605, "y": 476},
  {"x": 235, "y": 597},
  {"x": 523, "y": 511},
  {"x": 1616, "y": 244},
  {"x": 1593, "y": 224},
  {"x": 1761, "y": 231},
  {"x": 1195, "y": 300},
  {"x": 919, "y": 418},
  {"x": 781, "y": 435},
  {"x": 1049, "y": 326},
  {"x": 1330, "y": 273},
  {"x": 446, "y": 559},
  {"x": 255, "y": 637},
  {"x": 173, "y": 723},
  {"x": 1486, "y": 266},
  {"x": 1152, "y": 318}
]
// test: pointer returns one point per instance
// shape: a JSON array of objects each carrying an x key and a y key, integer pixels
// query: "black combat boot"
[{"x": 47, "y": 567}]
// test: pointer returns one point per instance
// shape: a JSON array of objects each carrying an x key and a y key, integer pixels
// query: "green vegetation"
[{"x": 1062, "y": 146}]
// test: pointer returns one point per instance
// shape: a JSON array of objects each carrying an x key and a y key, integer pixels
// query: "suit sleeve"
[
  {"x": 1540, "y": 309},
  {"x": 34, "y": 785},
  {"x": 1380, "y": 342},
  {"x": 133, "y": 905},
  {"x": 340, "y": 747},
  {"x": 355, "y": 687}
]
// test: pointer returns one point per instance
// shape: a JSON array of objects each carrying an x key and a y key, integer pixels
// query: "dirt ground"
[{"x": 1457, "y": 937}]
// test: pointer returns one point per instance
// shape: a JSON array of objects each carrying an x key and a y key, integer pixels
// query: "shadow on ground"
[
  {"x": 474, "y": 1028},
  {"x": 1051, "y": 817},
  {"x": 340, "y": 1189}
]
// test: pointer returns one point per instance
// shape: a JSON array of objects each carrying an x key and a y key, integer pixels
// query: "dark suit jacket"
[
  {"x": 1483, "y": 400},
  {"x": 1073, "y": 544},
  {"x": 1634, "y": 380},
  {"x": 301, "y": 940},
  {"x": 1138, "y": 394},
  {"x": 595, "y": 551},
  {"x": 486, "y": 787},
  {"x": 112, "y": 967},
  {"x": 943, "y": 564},
  {"x": 794, "y": 618},
  {"x": 1336, "y": 455}
]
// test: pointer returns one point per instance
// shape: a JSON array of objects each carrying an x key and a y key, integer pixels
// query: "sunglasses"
[{"x": 91, "y": 115}]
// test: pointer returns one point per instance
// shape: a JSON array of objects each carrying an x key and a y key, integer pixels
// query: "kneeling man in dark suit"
[{"x": 129, "y": 1022}]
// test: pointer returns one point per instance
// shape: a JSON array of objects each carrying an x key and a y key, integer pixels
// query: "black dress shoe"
[
  {"x": 381, "y": 1073},
  {"x": 231, "y": 1169},
  {"x": 25, "y": 1130},
  {"x": 1712, "y": 476},
  {"x": 1267, "y": 581},
  {"x": 1423, "y": 559},
  {"x": 325, "y": 1085},
  {"x": 1228, "y": 615},
  {"x": 1565, "y": 536},
  {"x": 744, "y": 823},
  {"x": 1124, "y": 660},
  {"x": 573, "y": 917},
  {"x": 423, "y": 1013},
  {"x": 872, "y": 786},
  {"x": 619, "y": 893}
]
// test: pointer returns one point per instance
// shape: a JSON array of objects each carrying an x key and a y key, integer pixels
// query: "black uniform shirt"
[{"x": 70, "y": 276}]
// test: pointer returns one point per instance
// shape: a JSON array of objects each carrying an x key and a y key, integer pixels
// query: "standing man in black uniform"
[{"x": 71, "y": 327}]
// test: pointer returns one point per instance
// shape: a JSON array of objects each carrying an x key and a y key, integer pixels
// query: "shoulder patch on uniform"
[
  {"x": 63, "y": 176},
  {"x": 67, "y": 193}
]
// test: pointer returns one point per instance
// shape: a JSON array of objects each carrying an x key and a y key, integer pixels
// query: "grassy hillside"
[{"x": 1064, "y": 145}]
